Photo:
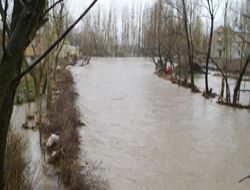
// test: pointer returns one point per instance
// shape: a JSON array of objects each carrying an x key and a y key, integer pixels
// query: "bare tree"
[
  {"x": 212, "y": 8},
  {"x": 244, "y": 38},
  {"x": 187, "y": 13}
]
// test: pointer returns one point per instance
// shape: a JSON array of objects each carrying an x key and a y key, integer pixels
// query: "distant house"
[
  {"x": 228, "y": 41},
  {"x": 37, "y": 47},
  {"x": 68, "y": 52}
]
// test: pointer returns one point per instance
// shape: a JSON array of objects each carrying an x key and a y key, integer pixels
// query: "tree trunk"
[
  {"x": 159, "y": 53},
  {"x": 238, "y": 84},
  {"x": 222, "y": 88},
  {"x": 191, "y": 70},
  {"x": 224, "y": 80},
  {"x": 228, "y": 93},
  {"x": 9, "y": 70},
  {"x": 209, "y": 53},
  {"x": 179, "y": 68},
  {"x": 6, "y": 108},
  {"x": 189, "y": 44}
]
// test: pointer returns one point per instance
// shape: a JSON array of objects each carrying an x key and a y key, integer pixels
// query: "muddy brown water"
[{"x": 150, "y": 134}]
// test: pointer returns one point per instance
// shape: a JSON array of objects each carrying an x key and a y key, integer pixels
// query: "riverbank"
[
  {"x": 183, "y": 83},
  {"x": 63, "y": 139},
  {"x": 195, "y": 89},
  {"x": 54, "y": 139}
]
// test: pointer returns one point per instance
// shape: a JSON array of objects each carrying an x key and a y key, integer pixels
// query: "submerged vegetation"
[
  {"x": 20, "y": 173},
  {"x": 64, "y": 119}
]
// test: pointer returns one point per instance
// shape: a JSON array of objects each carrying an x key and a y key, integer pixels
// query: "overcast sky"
[{"x": 77, "y": 6}]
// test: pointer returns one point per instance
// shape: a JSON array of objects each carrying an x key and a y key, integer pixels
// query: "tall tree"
[
  {"x": 188, "y": 12},
  {"x": 244, "y": 40},
  {"x": 212, "y": 8}
]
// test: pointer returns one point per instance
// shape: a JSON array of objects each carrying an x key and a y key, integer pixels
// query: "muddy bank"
[
  {"x": 214, "y": 94},
  {"x": 63, "y": 139},
  {"x": 180, "y": 82}
]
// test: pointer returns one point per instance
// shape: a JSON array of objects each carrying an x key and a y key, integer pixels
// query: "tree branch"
[
  {"x": 64, "y": 34},
  {"x": 4, "y": 17},
  {"x": 243, "y": 179},
  {"x": 52, "y": 6},
  {"x": 222, "y": 73}
]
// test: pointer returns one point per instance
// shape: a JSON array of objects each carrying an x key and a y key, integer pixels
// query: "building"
[
  {"x": 37, "y": 47},
  {"x": 67, "y": 53},
  {"x": 229, "y": 43}
]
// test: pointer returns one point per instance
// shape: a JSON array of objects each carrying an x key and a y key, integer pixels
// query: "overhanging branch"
[
  {"x": 52, "y": 6},
  {"x": 243, "y": 179},
  {"x": 63, "y": 35}
]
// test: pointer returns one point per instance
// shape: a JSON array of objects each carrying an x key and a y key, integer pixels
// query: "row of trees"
[
  {"x": 182, "y": 33},
  {"x": 112, "y": 32},
  {"x": 179, "y": 32}
]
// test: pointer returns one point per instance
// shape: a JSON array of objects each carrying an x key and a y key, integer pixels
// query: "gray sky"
[{"x": 77, "y": 6}]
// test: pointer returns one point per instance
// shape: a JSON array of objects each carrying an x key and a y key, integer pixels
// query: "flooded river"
[{"x": 149, "y": 134}]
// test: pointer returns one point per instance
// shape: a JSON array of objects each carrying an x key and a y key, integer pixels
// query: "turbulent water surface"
[{"x": 150, "y": 134}]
